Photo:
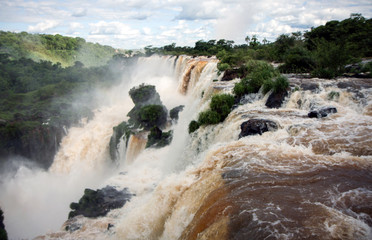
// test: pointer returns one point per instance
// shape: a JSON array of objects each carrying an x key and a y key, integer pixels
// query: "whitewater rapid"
[{"x": 310, "y": 179}]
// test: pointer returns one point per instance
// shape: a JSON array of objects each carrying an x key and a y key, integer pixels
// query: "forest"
[{"x": 41, "y": 76}]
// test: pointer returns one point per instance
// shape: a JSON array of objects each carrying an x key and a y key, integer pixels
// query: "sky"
[{"x": 134, "y": 24}]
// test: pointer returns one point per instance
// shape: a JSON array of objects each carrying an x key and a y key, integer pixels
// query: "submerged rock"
[
  {"x": 276, "y": 99},
  {"x": 322, "y": 112},
  {"x": 98, "y": 203},
  {"x": 257, "y": 126}
]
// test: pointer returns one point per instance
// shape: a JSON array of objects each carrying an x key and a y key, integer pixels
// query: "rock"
[
  {"x": 158, "y": 139},
  {"x": 322, "y": 112},
  {"x": 173, "y": 113},
  {"x": 231, "y": 74},
  {"x": 276, "y": 99},
  {"x": 119, "y": 131},
  {"x": 145, "y": 95},
  {"x": 98, "y": 203},
  {"x": 309, "y": 86},
  {"x": 257, "y": 126},
  {"x": 3, "y": 234}
]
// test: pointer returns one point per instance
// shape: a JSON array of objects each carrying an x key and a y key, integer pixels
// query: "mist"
[{"x": 36, "y": 201}]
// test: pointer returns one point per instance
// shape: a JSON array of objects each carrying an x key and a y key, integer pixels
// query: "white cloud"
[
  {"x": 80, "y": 12},
  {"x": 183, "y": 21},
  {"x": 43, "y": 26},
  {"x": 112, "y": 28}
]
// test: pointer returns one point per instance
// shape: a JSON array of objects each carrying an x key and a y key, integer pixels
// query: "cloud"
[
  {"x": 184, "y": 21},
  {"x": 113, "y": 28},
  {"x": 80, "y": 12},
  {"x": 43, "y": 26},
  {"x": 199, "y": 10}
]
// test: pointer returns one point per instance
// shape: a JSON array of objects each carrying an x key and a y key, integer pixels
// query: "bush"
[
  {"x": 152, "y": 115},
  {"x": 297, "y": 60},
  {"x": 222, "y": 104},
  {"x": 280, "y": 84},
  {"x": 260, "y": 73},
  {"x": 144, "y": 94},
  {"x": 220, "y": 107},
  {"x": 267, "y": 86},
  {"x": 209, "y": 117},
  {"x": 193, "y": 126},
  {"x": 158, "y": 139}
]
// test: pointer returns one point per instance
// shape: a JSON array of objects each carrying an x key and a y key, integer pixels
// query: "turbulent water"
[{"x": 310, "y": 179}]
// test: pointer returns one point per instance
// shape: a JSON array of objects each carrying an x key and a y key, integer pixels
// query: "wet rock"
[
  {"x": 174, "y": 112},
  {"x": 257, "y": 126},
  {"x": 322, "y": 112},
  {"x": 3, "y": 234},
  {"x": 98, "y": 203},
  {"x": 276, "y": 99},
  {"x": 309, "y": 86},
  {"x": 231, "y": 74},
  {"x": 157, "y": 138}
]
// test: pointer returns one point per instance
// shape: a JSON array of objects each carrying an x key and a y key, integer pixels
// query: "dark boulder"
[
  {"x": 174, "y": 112},
  {"x": 322, "y": 112},
  {"x": 3, "y": 234},
  {"x": 145, "y": 95},
  {"x": 98, "y": 203},
  {"x": 276, "y": 99},
  {"x": 121, "y": 131},
  {"x": 309, "y": 86},
  {"x": 231, "y": 74},
  {"x": 257, "y": 126},
  {"x": 158, "y": 138}
]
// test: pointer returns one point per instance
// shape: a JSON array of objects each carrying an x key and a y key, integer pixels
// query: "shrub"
[
  {"x": 209, "y": 117},
  {"x": 193, "y": 126},
  {"x": 220, "y": 107},
  {"x": 144, "y": 93},
  {"x": 222, "y": 104},
  {"x": 297, "y": 60},
  {"x": 152, "y": 115},
  {"x": 260, "y": 73},
  {"x": 280, "y": 84},
  {"x": 268, "y": 85}
]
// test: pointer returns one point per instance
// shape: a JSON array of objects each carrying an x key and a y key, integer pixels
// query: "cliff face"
[{"x": 36, "y": 142}]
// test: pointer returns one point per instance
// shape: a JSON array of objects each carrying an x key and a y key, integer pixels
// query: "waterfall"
[{"x": 310, "y": 179}]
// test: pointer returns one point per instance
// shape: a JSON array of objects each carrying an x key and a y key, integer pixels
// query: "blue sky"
[{"x": 133, "y": 24}]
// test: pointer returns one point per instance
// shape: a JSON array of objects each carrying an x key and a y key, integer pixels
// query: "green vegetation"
[
  {"x": 37, "y": 99},
  {"x": 258, "y": 73},
  {"x": 158, "y": 139},
  {"x": 54, "y": 48},
  {"x": 323, "y": 51},
  {"x": 220, "y": 107},
  {"x": 152, "y": 115}
]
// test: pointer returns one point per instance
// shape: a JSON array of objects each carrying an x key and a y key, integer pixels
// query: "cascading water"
[{"x": 310, "y": 179}]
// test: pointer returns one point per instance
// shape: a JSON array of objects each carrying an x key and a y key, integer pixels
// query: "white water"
[
  {"x": 36, "y": 202},
  {"x": 171, "y": 183}
]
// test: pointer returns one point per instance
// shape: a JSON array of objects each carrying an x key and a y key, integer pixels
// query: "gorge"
[{"x": 305, "y": 178}]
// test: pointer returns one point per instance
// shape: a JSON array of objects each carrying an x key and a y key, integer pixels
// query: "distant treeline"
[
  {"x": 324, "y": 51},
  {"x": 54, "y": 48}
]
